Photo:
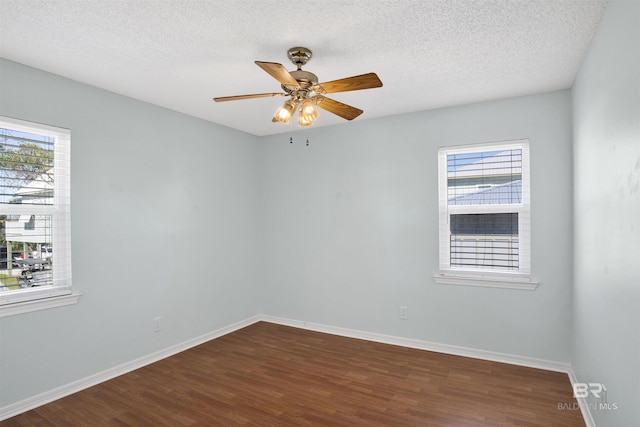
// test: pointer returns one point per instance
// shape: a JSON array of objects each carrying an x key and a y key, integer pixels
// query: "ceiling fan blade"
[
  {"x": 255, "y": 95},
  {"x": 278, "y": 72},
  {"x": 364, "y": 81},
  {"x": 338, "y": 108}
]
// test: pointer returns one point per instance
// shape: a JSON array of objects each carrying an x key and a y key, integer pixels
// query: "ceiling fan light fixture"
[
  {"x": 285, "y": 112},
  {"x": 304, "y": 121},
  {"x": 308, "y": 113},
  {"x": 308, "y": 110}
]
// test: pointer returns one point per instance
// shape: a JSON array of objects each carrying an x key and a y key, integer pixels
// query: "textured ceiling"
[{"x": 179, "y": 54}]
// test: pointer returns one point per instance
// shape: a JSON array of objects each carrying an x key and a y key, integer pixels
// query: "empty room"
[{"x": 322, "y": 213}]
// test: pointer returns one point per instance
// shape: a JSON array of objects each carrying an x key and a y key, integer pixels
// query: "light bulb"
[
  {"x": 308, "y": 110},
  {"x": 304, "y": 120},
  {"x": 285, "y": 112},
  {"x": 308, "y": 113}
]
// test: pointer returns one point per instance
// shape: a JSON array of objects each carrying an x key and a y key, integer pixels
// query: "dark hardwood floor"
[{"x": 272, "y": 375}]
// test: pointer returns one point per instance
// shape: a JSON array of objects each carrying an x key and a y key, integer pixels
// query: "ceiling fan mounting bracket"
[{"x": 299, "y": 56}]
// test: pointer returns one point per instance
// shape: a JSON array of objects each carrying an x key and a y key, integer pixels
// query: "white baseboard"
[
  {"x": 426, "y": 345},
  {"x": 582, "y": 402},
  {"x": 60, "y": 392},
  {"x": 76, "y": 386}
]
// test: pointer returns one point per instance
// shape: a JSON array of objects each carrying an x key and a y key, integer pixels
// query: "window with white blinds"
[
  {"x": 35, "y": 244},
  {"x": 484, "y": 213}
]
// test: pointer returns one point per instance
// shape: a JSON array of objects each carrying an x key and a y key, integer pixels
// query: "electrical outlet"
[
  {"x": 404, "y": 313},
  {"x": 157, "y": 324}
]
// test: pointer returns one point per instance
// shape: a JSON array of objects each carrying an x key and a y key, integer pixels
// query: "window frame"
[
  {"x": 516, "y": 279},
  {"x": 59, "y": 293}
]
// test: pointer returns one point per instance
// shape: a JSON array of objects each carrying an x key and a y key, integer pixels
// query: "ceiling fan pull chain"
[
  {"x": 307, "y": 142},
  {"x": 290, "y": 140}
]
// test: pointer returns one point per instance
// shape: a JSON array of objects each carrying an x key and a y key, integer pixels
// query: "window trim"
[
  {"x": 520, "y": 279},
  {"x": 61, "y": 292}
]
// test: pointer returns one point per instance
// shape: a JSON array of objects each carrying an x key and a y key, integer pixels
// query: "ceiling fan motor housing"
[
  {"x": 299, "y": 56},
  {"x": 305, "y": 79}
]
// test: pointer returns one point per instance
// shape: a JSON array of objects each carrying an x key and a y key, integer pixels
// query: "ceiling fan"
[{"x": 306, "y": 93}]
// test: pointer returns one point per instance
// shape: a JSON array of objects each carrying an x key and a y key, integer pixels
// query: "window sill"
[
  {"x": 38, "y": 304},
  {"x": 506, "y": 282}
]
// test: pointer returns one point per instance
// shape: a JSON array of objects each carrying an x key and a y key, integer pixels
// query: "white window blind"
[
  {"x": 35, "y": 244},
  {"x": 484, "y": 201}
]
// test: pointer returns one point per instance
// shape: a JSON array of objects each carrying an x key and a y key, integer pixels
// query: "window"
[
  {"x": 35, "y": 244},
  {"x": 485, "y": 215}
]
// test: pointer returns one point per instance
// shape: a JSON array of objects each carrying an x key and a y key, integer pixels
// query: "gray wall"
[
  {"x": 164, "y": 223},
  {"x": 352, "y": 228},
  {"x": 606, "y": 327}
]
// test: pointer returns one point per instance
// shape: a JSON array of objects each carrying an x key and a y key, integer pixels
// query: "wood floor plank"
[{"x": 273, "y": 375}]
